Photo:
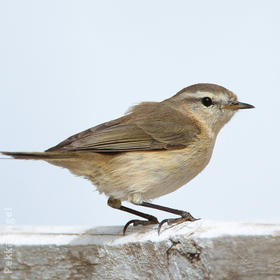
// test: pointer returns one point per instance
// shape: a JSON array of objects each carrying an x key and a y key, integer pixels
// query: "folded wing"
[{"x": 148, "y": 126}]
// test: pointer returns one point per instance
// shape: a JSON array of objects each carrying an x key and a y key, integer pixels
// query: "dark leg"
[
  {"x": 185, "y": 216},
  {"x": 115, "y": 203}
]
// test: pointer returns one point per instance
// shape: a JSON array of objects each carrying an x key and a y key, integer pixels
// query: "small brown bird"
[{"x": 153, "y": 150}]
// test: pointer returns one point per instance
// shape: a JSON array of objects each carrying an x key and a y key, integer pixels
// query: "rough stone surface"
[{"x": 199, "y": 250}]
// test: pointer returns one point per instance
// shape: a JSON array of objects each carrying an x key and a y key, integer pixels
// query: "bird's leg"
[
  {"x": 116, "y": 203},
  {"x": 185, "y": 216}
]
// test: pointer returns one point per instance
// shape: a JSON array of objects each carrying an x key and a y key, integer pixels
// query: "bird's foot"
[
  {"x": 152, "y": 220},
  {"x": 186, "y": 217}
]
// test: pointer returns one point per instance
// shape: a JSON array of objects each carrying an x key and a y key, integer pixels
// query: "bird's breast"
[{"x": 156, "y": 173}]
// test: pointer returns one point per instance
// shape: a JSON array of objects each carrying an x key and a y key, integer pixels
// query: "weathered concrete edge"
[
  {"x": 198, "y": 251},
  {"x": 73, "y": 236}
]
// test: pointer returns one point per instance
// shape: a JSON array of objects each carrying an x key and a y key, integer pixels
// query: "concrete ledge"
[{"x": 199, "y": 250}]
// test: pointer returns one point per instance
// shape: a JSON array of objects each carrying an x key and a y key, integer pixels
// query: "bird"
[{"x": 151, "y": 151}]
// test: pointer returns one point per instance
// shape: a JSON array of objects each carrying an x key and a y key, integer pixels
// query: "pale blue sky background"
[{"x": 66, "y": 66}]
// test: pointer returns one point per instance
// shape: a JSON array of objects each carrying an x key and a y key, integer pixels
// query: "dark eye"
[{"x": 207, "y": 101}]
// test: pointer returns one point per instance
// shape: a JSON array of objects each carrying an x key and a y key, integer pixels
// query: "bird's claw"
[
  {"x": 187, "y": 217},
  {"x": 140, "y": 222}
]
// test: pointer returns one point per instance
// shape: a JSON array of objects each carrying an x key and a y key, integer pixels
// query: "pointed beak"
[{"x": 236, "y": 105}]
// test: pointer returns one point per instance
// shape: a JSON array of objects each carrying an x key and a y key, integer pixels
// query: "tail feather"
[{"x": 39, "y": 155}]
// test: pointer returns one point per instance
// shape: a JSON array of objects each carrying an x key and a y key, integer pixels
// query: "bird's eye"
[{"x": 207, "y": 101}]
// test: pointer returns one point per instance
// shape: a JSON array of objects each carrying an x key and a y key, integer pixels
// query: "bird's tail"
[{"x": 40, "y": 155}]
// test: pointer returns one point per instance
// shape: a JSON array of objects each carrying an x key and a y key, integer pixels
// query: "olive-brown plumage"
[{"x": 153, "y": 150}]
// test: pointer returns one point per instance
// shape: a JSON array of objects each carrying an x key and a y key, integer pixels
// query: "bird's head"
[{"x": 211, "y": 104}]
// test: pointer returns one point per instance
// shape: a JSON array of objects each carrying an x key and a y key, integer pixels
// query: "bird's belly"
[{"x": 153, "y": 174}]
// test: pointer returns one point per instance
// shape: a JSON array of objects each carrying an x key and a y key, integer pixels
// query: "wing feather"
[{"x": 148, "y": 126}]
